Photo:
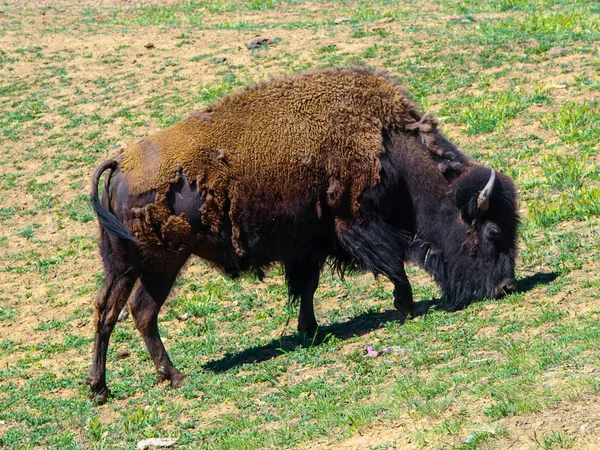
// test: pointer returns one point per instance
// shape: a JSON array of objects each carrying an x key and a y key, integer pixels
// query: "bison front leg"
[
  {"x": 151, "y": 293},
  {"x": 403, "y": 298},
  {"x": 302, "y": 277}
]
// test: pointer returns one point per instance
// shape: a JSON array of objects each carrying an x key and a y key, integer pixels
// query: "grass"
[
  {"x": 575, "y": 122},
  {"x": 487, "y": 113},
  {"x": 514, "y": 82}
]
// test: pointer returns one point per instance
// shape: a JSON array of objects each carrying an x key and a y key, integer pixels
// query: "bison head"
[{"x": 475, "y": 259}]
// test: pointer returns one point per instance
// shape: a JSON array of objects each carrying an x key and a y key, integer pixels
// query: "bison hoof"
[
  {"x": 403, "y": 316},
  {"x": 406, "y": 310},
  {"x": 308, "y": 328},
  {"x": 177, "y": 380},
  {"x": 99, "y": 391},
  {"x": 403, "y": 301},
  {"x": 99, "y": 397},
  {"x": 173, "y": 376}
]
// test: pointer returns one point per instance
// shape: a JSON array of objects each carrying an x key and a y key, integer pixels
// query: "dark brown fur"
[{"x": 334, "y": 164}]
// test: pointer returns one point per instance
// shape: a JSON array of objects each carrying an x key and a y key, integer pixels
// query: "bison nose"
[{"x": 506, "y": 287}]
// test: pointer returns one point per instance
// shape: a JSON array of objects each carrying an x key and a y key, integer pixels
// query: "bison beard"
[{"x": 343, "y": 167}]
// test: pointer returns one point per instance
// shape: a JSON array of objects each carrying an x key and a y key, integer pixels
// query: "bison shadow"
[
  {"x": 530, "y": 282},
  {"x": 356, "y": 326}
]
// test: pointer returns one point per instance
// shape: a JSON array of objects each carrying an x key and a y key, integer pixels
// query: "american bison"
[{"x": 335, "y": 165}]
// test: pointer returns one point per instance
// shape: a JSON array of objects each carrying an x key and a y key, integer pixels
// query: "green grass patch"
[
  {"x": 575, "y": 122},
  {"x": 488, "y": 112}
]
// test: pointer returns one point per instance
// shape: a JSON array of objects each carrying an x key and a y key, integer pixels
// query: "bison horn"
[{"x": 483, "y": 201}]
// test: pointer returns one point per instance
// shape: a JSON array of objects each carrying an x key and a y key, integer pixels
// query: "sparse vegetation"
[{"x": 515, "y": 82}]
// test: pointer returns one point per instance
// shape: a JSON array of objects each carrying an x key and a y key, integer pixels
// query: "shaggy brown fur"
[{"x": 313, "y": 122}]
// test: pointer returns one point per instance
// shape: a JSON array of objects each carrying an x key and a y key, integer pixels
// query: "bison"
[{"x": 335, "y": 165}]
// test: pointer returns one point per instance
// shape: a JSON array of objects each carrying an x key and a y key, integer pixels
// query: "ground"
[{"x": 516, "y": 83}]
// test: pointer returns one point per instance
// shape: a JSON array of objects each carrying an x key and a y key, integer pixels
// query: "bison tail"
[{"x": 107, "y": 219}]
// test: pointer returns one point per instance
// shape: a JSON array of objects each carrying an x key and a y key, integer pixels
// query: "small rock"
[
  {"x": 220, "y": 59},
  {"x": 183, "y": 317},
  {"x": 149, "y": 45},
  {"x": 123, "y": 355},
  {"x": 151, "y": 443},
  {"x": 339, "y": 20},
  {"x": 257, "y": 43}
]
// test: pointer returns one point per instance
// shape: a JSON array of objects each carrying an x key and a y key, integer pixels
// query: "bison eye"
[{"x": 493, "y": 232}]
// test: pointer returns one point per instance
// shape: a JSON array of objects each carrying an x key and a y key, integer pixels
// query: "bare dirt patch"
[{"x": 578, "y": 422}]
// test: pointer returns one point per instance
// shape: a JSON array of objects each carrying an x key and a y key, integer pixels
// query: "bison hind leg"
[
  {"x": 150, "y": 294},
  {"x": 119, "y": 279}
]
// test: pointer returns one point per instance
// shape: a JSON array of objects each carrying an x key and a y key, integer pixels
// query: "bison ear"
[
  {"x": 467, "y": 204},
  {"x": 469, "y": 195},
  {"x": 465, "y": 200}
]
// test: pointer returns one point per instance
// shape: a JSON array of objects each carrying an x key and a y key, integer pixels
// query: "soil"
[{"x": 43, "y": 297}]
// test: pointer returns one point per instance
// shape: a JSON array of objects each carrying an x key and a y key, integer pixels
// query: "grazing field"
[{"x": 516, "y": 83}]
